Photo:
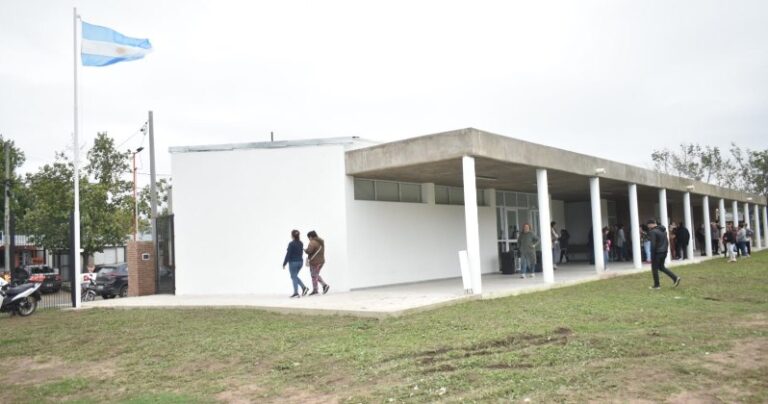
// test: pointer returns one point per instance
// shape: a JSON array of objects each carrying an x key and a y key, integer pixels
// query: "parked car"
[
  {"x": 48, "y": 277},
  {"x": 112, "y": 280}
]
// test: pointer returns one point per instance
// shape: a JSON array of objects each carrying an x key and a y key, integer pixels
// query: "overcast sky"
[{"x": 615, "y": 79}]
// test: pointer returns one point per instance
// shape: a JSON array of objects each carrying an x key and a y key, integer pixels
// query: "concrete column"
[
  {"x": 722, "y": 218},
  {"x": 735, "y": 212},
  {"x": 545, "y": 218},
  {"x": 597, "y": 224},
  {"x": 689, "y": 223},
  {"x": 472, "y": 222},
  {"x": 746, "y": 215},
  {"x": 707, "y": 227},
  {"x": 758, "y": 238},
  {"x": 664, "y": 216},
  {"x": 634, "y": 219},
  {"x": 428, "y": 193},
  {"x": 765, "y": 225}
]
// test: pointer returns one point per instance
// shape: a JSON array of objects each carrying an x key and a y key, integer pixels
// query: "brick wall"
[{"x": 141, "y": 273}]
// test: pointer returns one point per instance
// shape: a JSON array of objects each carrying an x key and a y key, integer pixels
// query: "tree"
[
  {"x": 745, "y": 169},
  {"x": 106, "y": 204},
  {"x": 51, "y": 194},
  {"x": 18, "y": 198},
  {"x": 758, "y": 160},
  {"x": 145, "y": 206}
]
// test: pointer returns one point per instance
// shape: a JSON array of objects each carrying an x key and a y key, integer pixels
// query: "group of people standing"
[
  {"x": 679, "y": 238},
  {"x": 294, "y": 259},
  {"x": 736, "y": 240}
]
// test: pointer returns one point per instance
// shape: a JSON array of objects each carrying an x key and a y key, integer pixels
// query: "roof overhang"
[{"x": 506, "y": 163}]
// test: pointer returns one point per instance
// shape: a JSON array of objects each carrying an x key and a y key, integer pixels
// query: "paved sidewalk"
[{"x": 388, "y": 301}]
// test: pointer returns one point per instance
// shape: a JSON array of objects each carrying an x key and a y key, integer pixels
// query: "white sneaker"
[
  {"x": 522, "y": 276},
  {"x": 533, "y": 275}
]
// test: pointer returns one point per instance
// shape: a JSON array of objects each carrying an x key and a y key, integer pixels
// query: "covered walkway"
[{"x": 388, "y": 301}]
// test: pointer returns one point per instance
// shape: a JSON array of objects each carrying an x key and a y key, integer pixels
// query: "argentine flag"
[{"x": 102, "y": 46}]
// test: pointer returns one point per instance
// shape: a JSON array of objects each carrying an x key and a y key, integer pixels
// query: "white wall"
[
  {"x": 110, "y": 255},
  {"x": 393, "y": 242},
  {"x": 234, "y": 211}
]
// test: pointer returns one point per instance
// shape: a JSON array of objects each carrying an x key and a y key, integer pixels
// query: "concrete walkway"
[{"x": 388, "y": 301}]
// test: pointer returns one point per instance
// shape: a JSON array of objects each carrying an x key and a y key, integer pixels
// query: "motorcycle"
[
  {"x": 21, "y": 300},
  {"x": 88, "y": 291}
]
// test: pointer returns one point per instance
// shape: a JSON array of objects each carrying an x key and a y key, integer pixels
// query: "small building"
[{"x": 396, "y": 212}]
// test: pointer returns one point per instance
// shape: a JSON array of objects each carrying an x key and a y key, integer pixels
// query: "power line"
[{"x": 142, "y": 130}]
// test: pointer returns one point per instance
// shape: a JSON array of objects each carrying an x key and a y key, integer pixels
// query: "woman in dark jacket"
[{"x": 294, "y": 258}]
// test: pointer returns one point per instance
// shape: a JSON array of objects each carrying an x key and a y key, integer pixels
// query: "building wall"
[
  {"x": 141, "y": 273},
  {"x": 395, "y": 242},
  {"x": 110, "y": 255},
  {"x": 234, "y": 211}
]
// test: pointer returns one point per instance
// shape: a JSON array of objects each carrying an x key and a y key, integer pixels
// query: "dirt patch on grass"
[
  {"x": 512, "y": 342},
  {"x": 744, "y": 356},
  {"x": 243, "y": 394},
  {"x": 714, "y": 395},
  {"x": 757, "y": 320},
  {"x": 33, "y": 370}
]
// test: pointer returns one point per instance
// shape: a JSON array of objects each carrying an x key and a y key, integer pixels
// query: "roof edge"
[{"x": 348, "y": 140}]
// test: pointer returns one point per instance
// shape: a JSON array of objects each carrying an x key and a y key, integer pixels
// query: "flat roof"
[
  {"x": 503, "y": 162},
  {"x": 349, "y": 141}
]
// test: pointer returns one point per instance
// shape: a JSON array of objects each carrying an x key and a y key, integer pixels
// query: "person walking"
[
  {"x": 555, "y": 243},
  {"x": 316, "y": 258},
  {"x": 293, "y": 258},
  {"x": 659, "y": 247},
  {"x": 527, "y": 242}
]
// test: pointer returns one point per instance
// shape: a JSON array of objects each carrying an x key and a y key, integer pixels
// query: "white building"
[{"x": 394, "y": 213}]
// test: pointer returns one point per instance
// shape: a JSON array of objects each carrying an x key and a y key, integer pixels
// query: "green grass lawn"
[{"x": 612, "y": 340}]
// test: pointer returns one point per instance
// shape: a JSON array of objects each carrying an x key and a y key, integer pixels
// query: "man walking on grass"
[{"x": 659, "y": 248}]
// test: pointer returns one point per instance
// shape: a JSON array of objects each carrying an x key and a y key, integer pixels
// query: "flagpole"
[{"x": 76, "y": 163}]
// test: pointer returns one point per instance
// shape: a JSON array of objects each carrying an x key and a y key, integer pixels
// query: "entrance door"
[
  {"x": 507, "y": 228},
  {"x": 166, "y": 266}
]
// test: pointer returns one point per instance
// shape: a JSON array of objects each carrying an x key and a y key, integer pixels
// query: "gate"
[{"x": 166, "y": 265}]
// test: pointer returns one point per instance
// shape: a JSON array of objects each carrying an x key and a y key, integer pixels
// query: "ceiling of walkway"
[{"x": 499, "y": 175}]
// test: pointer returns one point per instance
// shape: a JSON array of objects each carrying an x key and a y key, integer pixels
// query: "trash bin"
[
  {"x": 507, "y": 263},
  {"x": 538, "y": 262}
]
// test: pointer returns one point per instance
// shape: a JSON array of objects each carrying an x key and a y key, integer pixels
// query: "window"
[
  {"x": 364, "y": 190},
  {"x": 445, "y": 195},
  {"x": 388, "y": 191}
]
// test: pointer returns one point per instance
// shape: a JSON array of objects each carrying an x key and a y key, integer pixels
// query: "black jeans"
[{"x": 658, "y": 265}]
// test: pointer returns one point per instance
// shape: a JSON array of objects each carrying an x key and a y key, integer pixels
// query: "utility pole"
[
  {"x": 7, "y": 232},
  {"x": 135, "y": 200},
  {"x": 153, "y": 194}
]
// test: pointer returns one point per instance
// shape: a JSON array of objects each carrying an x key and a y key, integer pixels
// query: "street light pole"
[{"x": 135, "y": 200}]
